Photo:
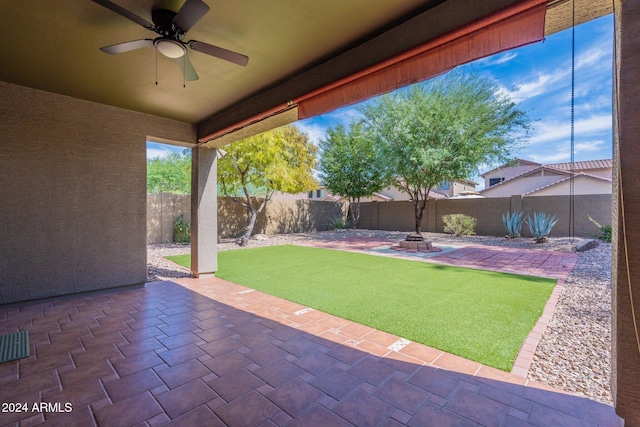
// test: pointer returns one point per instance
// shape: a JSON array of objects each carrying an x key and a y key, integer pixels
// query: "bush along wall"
[{"x": 181, "y": 231}]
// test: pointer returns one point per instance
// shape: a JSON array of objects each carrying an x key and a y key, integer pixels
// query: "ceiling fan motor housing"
[{"x": 162, "y": 20}]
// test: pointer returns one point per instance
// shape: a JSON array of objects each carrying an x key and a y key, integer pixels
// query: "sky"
[{"x": 538, "y": 78}]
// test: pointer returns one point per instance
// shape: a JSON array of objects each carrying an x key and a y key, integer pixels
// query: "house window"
[
  {"x": 318, "y": 193},
  {"x": 311, "y": 194},
  {"x": 494, "y": 181},
  {"x": 444, "y": 185}
]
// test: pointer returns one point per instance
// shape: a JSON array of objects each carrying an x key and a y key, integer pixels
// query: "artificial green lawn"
[
  {"x": 183, "y": 260},
  {"x": 480, "y": 315}
]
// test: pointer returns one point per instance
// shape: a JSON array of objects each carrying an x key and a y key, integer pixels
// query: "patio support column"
[
  {"x": 626, "y": 214},
  {"x": 204, "y": 211}
]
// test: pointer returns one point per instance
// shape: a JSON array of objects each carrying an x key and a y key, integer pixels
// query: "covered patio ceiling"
[{"x": 53, "y": 45}]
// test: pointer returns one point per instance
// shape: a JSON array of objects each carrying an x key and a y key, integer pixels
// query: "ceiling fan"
[{"x": 171, "y": 28}]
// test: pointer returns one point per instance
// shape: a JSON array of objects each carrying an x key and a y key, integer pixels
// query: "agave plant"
[
  {"x": 541, "y": 225},
  {"x": 513, "y": 223}
]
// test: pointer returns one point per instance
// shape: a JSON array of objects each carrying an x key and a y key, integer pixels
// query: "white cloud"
[
  {"x": 503, "y": 91},
  {"x": 540, "y": 84},
  {"x": 594, "y": 56},
  {"x": 561, "y": 151},
  {"x": 498, "y": 59},
  {"x": 315, "y": 131},
  {"x": 156, "y": 150},
  {"x": 597, "y": 123},
  {"x": 589, "y": 146},
  {"x": 549, "y": 131},
  {"x": 550, "y": 158},
  {"x": 153, "y": 153},
  {"x": 345, "y": 115},
  {"x": 316, "y": 127}
]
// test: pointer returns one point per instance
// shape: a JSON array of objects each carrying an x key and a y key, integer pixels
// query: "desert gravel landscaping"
[{"x": 575, "y": 352}]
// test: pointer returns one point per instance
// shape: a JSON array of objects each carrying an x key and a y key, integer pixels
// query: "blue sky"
[{"x": 538, "y": 78}]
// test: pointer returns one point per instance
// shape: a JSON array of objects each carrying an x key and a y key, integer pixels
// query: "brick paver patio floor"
[
  {"x": 206, "y": 352},
  {"x": 539, "y": 263}
]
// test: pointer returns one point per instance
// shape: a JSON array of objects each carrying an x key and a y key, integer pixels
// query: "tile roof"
[
  {"x": 514, "y": 162},
  {"x": 589, "y": 164}
]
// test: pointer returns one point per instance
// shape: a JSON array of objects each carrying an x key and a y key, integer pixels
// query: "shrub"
[
  {"x": 338, "y": 223},
  {"x": 513, "y": 223},
  {"x": 604, "y": 231},
  {"x": 181, "y": 230},
  {"x": 459, "y": 224},
  {"x": 541, "y": 225}
]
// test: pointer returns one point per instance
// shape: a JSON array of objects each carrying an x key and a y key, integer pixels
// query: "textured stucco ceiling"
[{"x": 53, "y": 45}]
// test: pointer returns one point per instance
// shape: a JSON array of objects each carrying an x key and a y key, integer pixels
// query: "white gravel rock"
[{"x": 575, "y": 351}]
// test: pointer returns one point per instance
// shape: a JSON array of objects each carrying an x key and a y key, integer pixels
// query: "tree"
[
  {"x": 255, "y": 167},
  {"x": 442, "y": 131},
  {"x": 170, "y": 174},
  {"x": 349, "y": 165}
]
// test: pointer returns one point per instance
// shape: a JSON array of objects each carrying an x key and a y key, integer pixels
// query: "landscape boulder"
[{"x": 585, "y": 245}]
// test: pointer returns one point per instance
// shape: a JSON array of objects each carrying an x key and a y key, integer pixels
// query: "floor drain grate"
[{"x": 14, "y": 346}]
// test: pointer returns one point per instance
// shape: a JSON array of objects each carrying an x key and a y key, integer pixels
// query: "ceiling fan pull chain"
[{"x": 156, "y": 67}]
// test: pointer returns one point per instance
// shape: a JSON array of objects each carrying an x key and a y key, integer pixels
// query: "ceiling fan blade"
[
  {"x": 124, "y": 12},
  {"x": 186, "y": 67},
  {"x": 219, "y": 52},
  {"x": 127, "y": 46},
  {"x": 190, "y": 13}
]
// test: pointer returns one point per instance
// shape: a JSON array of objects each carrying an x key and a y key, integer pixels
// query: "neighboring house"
[
  {"x": 457, "y": 188},
  {"x": 318, "y": 194},
  {"x": 443, "y": 191},
  {"x": 321, "y": 194},
  {"x": 523, "y": 177}
]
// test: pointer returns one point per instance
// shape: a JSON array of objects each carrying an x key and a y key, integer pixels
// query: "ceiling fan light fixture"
[{"x": 170, "y": 48}]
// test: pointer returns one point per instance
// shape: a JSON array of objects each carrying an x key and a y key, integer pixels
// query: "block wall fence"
[
  {"x": 400, "y": 215},
  {"x": 279, "y": 216},
  {"x": 299, "y": 216}
]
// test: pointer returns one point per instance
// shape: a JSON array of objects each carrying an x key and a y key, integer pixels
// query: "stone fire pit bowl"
[{"x": 415, "y": 243}]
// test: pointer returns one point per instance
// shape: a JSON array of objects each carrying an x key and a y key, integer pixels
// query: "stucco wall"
[
  {"x": 73, "y": 193},
  {"x": 520, "y": 185},
  {"x": 603, "y": 173},
  {"x": 507, "y": 173},
  {"x": 582, "y": 185},
  {"x": 625, "y": 280}
]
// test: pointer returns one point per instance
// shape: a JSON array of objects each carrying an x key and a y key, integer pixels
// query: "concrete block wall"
[
  {"x": 488, "y": 211},
  {"x": 162, "y": 211},
  {"x": 299, "y": 216},
  {"x": 279, "y": 216},
  {"x": 598, "y": 206},
  {"x": 73, "y": 193}
]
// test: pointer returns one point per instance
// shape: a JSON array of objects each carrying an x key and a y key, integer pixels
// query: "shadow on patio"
[{"x": 210, "y": 352}]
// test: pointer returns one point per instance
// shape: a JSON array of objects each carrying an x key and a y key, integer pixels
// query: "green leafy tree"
[
  {"x": 443, "y": 130},
  {"x": 349, "y": 165},
  {"x": 254, "y": 168},
  {"x": 170, "y": 174}
]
